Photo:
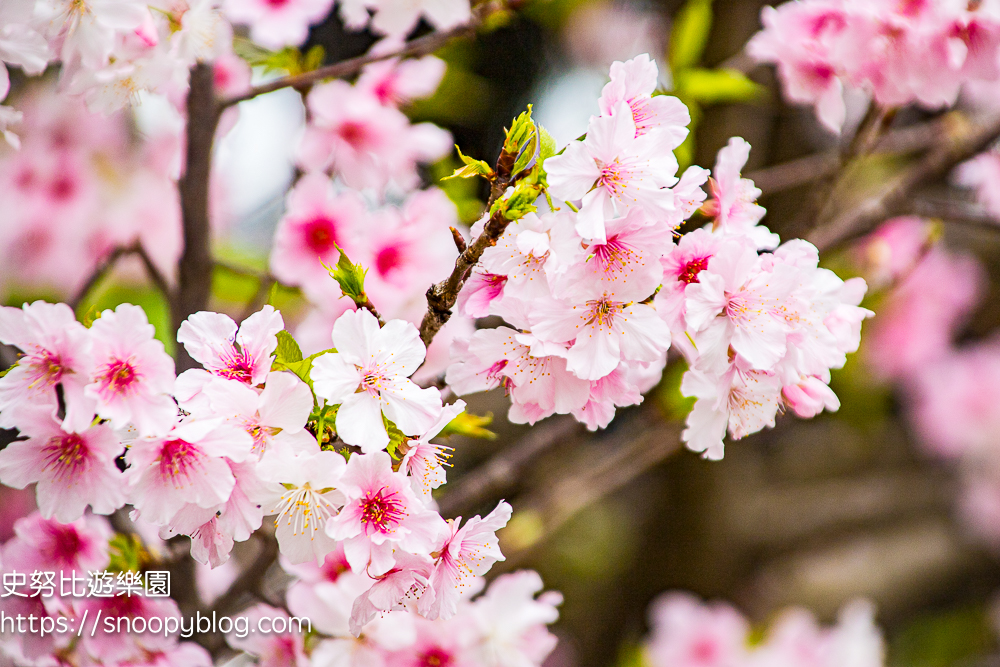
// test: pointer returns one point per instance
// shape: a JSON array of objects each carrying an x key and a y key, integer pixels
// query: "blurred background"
[{"x": 880, "y": 500}]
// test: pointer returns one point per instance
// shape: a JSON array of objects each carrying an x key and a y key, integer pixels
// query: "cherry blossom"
[
  {"x": 381, "y": 513},
  {"x": 634, "y": 82},
  {"x": 613, "y": 170},
  {"x": 468, "y": 551},
  {"x": 55, "y": 352},
  {"x": 378, "y": 362},
  {"x": 133, "y": 375},
  {"x": 311, "y": 494},
  {"x": 73, "y": 470},
  {"x": 276, "y": 25},
  {"x": 186, "y": 465}
]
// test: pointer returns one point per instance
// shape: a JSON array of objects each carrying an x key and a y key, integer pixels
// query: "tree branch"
[
  {"x": 961, "y": 139},
  {"x": 417, "y": 47},
  {"x": 503, "y": 470},
  {"x": 195, "y": 267},
  {"x": 109, "y": 262},
  {"x": 441, "y": 297}
]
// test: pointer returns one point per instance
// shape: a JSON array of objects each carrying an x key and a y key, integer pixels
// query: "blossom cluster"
[
  {"x": 596, "y": 294},
  {"x": 899, "y": 53},
  {"x": 503, "y": 626},
  {"x": 687, "y": 632},
  {"x": 212, "y": 451}
]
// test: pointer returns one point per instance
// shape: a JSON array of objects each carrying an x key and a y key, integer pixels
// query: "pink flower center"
[
  {"x": 387, "y": 259},
  {"x": 435, "y": 657},
  {"x": 276, "y": 4},
  {"x": 63, "y": 544},
  {"x": 67, "y": 456},
  {"x": 320, "y": 235},
  {"x": 495, "y": 374},
  {"x": 239, "y": 366},
  {"x": 335, "y": 565},
  {"x": 613, "y": 257},
  {"x": 689, "y": 274},
  {"x": 44, "y": 369},
  {"x": 613, "y": 178},
  {"x": 641, "y": 115},
  {"x": 353, "y": 133},
  {"x": 704, "y": 651},
  {"x": 178, "y": 458},
  {"x": 603, "y": 312},
  {"x": 62, "y": 189},
  {"x": 118, "y": 378},
  {"x": 371, "y": 382},
  {"x": 381, "y": 512}
]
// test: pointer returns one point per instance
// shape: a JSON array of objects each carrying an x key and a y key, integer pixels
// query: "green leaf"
[
  {"x": 689, "y": 34},
  {"x": 350, "y": 277},
  {"x": 127, "y": 553},
  {"x": 709, "y": 86},
  {"x": 287, "y": 350},
  {"x": 313, "y": 59},
  {"x": 943, "y": 639},
  {"x": 472, "y": 168},
  {"x": 549, "y": 147},
  {"x": 521, "y": 131},
  {"x": 470, "y": 425},
  {"x": 396, "y": 438},
  {"x": 520, "y": 202}
]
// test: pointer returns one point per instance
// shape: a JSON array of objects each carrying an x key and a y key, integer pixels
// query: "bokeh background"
[{"x": 811, "y": 513}]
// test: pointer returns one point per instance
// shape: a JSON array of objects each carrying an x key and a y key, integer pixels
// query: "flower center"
[
  {"x": 178, "y": 458},
  {"x": 63, "y": 545},
  {"x": 689, "y": 274},
  {"x": 612, "y": 178},
  {"x": 118, "y": 378},
  {"x": 304, "y": 510},
  {"x": 603, "y": 312},
  {"x": 353, "y": 133},
  {"x": 381, "y": 512},
  {"x": 435, "y": 657},
  {"x": 320, "y": 235},
  {"x": 67, "y": 456},
  {"x": 239, "y": 366},
  {"x": 387, "y": 259},
  {"x": 45, "y": 369}
]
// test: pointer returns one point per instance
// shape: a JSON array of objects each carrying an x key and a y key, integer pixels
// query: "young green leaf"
[{"x": 689, "y": 34}]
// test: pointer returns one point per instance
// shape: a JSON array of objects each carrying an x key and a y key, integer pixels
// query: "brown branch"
[
  {"x": 954, "y": 211},
  {"x": 635, "y": 447},
  {"x": 109, "y": 262},
  {"x": 441, "y": 297},
  {"x": 501, "y": 472},
  {"x": 417, "y": 47},
  {"x": 195, "y": 267},
  {"x": 961, "y": 139}
]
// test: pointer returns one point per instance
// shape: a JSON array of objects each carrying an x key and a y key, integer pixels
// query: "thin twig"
[
  {"x": 504, "y": 469},
  {"x": 954, "y": 211},
  {"x": 962, "y": 138},
  {"x": 109, "y": 262},
  {"x": 417, "y": 47},
  {"x": 622, "y": 455}
]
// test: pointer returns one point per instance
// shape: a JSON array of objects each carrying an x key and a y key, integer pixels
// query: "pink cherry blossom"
[
  {"x": 378, "y": 362},
  {"x": 424, "y": 461},
  {"x": 537, "y": 385},
  {"x": 603, "y": 328},
  {"x": 465, "y": 553},
  {"x": 734, "y": 198},
  {"x": 73, "y": 470},
  {"x": 687, "y": 633},
  {"x": 133, "y": 375},
  {"x": 276, "y": 414},
  {"x": 613, "y": 170},
  {"x": 275, "y": 24},
  {"x": 315, "y": 223},
  {"x": 118, "y": 648},
  {"x": 740, "y": 401},
  {"x": 634, "y": 82},
  {"x": 213, "y": 340},
  {"x": 407, "y": 579},
  {"x": 397, "y": 82},
  {"x": 381, "y": 513},
  {"x": 186, "y": 465},
  {"x": 736, "y": 303},
  {"x": 55, "y": 352},
  {"x": 396, "y": 18},
  {"x": 47, "y": 544}
]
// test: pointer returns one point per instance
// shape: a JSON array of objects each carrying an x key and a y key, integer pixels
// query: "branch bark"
[
  {"x": 105, "y": 267},
  {"x": 195, "y": 267},
  {"x": 417, "y": 47},
  {"x": 961, "y": 139}
]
